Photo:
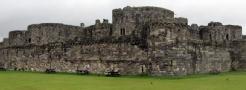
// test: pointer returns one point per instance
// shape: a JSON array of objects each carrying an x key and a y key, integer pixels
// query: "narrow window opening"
[
  {"x": 227, "y": 37},
  {"x": 142, "y": 68},
  {"x": 111, "y": 32},
  {"x": 210, "y": 36},
  {"x": 122, "y": 31},
  {"x": 29, "y": 40}
]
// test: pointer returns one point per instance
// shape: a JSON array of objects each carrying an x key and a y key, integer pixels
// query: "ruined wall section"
[
  {"x": 207, "y": 59},
  {"x": 238, "y": 53},
  {"x": 46, "y": 33},
  {"x": 18, "y": 38},
  {"x": 6, "y": 42},
  {"x": 99, "y": 31},
  {"x": 189, "y": 58},
  {"x": 234, "y": 32},
  {"x": 97, "y": 58},
  {"x": 173, "y": 52},
  {"x": 217, "y": 33},
  {"x": 194, "y": 32},
  {"x": 168, "y": 33}
]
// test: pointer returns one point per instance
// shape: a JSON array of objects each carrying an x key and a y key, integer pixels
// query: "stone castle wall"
[
  {"x": 69, "y": 58},
  {"x": 141, "y": 40}
]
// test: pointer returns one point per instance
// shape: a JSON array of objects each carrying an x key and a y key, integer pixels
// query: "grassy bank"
[{"x": 42, "y": 81}]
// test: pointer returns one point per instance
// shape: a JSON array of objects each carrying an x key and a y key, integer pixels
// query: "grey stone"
[{"x": 140, "y": 40}]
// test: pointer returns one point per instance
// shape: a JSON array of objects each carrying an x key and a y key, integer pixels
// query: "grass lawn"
[{"x": 42, "y": 81}]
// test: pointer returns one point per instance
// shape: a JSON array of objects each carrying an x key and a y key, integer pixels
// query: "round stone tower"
[{"x": 128, "y": 20}]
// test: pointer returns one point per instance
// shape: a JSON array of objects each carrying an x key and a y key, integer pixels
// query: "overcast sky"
[{"x": 18, "y": 14}]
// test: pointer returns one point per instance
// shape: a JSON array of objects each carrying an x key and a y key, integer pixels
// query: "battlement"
[
  {"x": 213, "y": 24},
  {"x": 99, "y": 30},
  {"x": 98, "y": 21},
  {"x": 14, "y": 34},
  {"x": 194, "y": 27},
  {"x": 181, "y": 20},
  {"x": 105, "y": 21}
]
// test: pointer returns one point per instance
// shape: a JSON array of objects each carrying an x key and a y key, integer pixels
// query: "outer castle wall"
[{"x": 141, "y": 40}]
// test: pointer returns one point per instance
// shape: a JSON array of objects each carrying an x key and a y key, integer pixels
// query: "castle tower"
[{"x": 131, "y": 20}]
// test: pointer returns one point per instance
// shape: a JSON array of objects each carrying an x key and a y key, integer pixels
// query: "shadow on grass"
[{"x": 136, "y": 76}]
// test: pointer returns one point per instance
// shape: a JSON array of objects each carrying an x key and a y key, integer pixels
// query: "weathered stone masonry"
[{"x": 140, "y": 40}]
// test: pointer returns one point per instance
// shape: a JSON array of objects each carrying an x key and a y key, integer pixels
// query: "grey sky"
[{"x": 18, "y": 14}]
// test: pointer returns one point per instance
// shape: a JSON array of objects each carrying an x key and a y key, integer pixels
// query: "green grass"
[{"x": 41, "y": 81}]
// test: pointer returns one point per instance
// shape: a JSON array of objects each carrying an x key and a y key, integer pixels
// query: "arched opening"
[{"x": 143, "y": 69}]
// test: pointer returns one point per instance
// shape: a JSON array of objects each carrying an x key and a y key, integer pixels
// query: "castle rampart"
[{"x": 140, "y": 40}]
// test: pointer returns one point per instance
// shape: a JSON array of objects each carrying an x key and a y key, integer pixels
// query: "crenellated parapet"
[{"x": 99, "y": 30}]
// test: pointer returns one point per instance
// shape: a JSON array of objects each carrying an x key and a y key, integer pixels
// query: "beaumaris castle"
[{"x": 140, "y": 40}]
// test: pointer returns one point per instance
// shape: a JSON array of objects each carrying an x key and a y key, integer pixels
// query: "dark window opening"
[
  {"x": 227, "y": 37},
  {"x": 29, "y": 40},
  {"x": 142, "y": 68},
  {"x": 210, "y": 36},
  {"x": 111, "y": 32},
  {"x": 122, "y": 31},
  {"x": 201, "y": 34},
  {"x": 171, "y": 63}
]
